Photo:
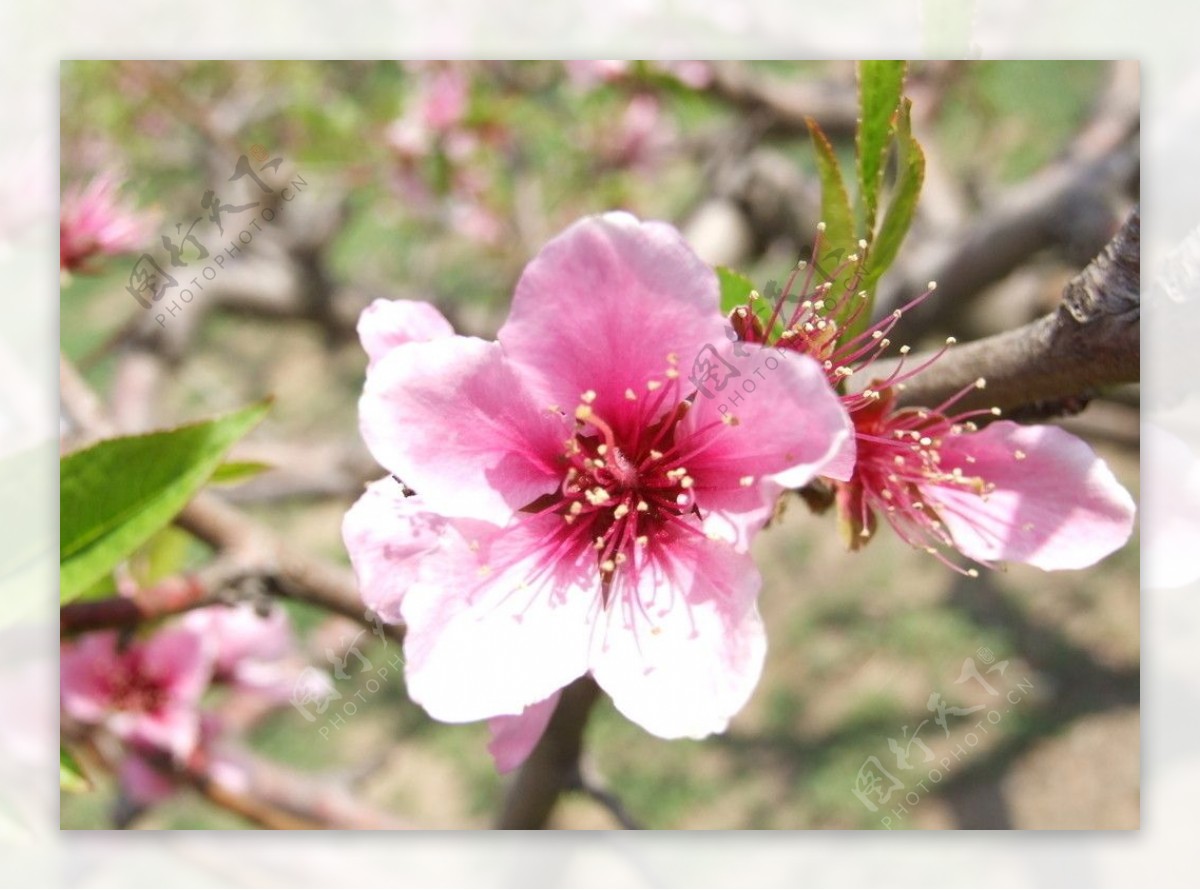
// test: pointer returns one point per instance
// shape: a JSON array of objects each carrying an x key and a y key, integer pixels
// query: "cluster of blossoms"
[
  {"x": 999, "y": 492},
  {"x": 147, "y": 692},
  {"x": 437, "y": 149},
  {"x": 584, "y": 501},
  {"x": 94, "y": 222}
]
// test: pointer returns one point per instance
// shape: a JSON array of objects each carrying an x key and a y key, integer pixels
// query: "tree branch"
[
  {"x": 553, "y": 767},
  {"x": 1057, "y": 363}
]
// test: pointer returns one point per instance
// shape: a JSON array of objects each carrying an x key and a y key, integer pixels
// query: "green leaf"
[
  {"x": 735, "y": 289},
  {"x": 117, "y": 493},
  {"x": 164, "y": 555},
  {"x": 838, "y": 241},
  {"x": 234, "y": 471},
  {"x": 879, "y": 88},
  {"x": 70, "y": 775},
  {"x": 910, "y": 175}
]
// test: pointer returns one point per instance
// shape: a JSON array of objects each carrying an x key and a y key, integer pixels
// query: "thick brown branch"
[
  {"x": 554, "y": 764},
  {"x": 1091, "y": 341}
]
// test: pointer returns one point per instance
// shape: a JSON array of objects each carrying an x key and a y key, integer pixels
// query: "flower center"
[
  {"x": 623, "y": 496},
  {"x": 133, "y": 691}
]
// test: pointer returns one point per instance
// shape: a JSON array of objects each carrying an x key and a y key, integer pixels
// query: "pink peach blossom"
[
  {"x": 249, "y": 650},
  {"x": 587, "y": 488},
  {"x": 146, "y": 693},
  {"x": 1031, "y": 494},
  {"x": 94, "y": 222}
]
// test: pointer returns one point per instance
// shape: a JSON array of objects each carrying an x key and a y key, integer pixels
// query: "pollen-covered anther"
[
  {"x": 653, "y": 385},
  {"x": 730, "y": 420},
  {"x": 608, "y": 566},
  {"x": 588, "y": 397},
  {"x": 746, "y": 481},
  {"x": 862, "y": 243},
  {"x": 655, "y": 455},
  {"x": 621, "y": 511},
  {"x": 596, "y": 496},
  {"x": 931, "y": 285},
  {"x": 643, "y": 507},
  {"x": 688, "y": 481},
  {"x": 821, "y": 226},
  {"x": 631, "y": 395},
  {"x": 672, "y": 373},
  {"x": 677, "y": 473},
  {"x": 576, "y": 508},
  {"x": 583, "y": 412},
  {"x": 673, "y": 359},
  {"x": 602, "y": 449},
  {"x": 1019, "y": 455},
  {"x": 950, "y": 341},
  {"x": 641, "y": 540}
]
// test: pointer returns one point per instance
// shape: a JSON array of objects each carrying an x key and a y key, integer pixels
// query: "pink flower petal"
[
  {"x": 1056, "y": 505},
  {"x": 605, "y": 307},
  {"x": 774, "y": 423},
  {"x": 181, "y": 661},
  {"x": 85, "y": 668},
  {"x": 142, "y": 782},
  {"x": 515, "y": 737},
  {"x": 174, "y": 729},
  {"x": 386, "y": 324},
  {"x": 775, "y": 417},
  {"x": 685, "y": 659},
  {"x": 452, "y": 420},
  {"x": 503, "y": 628},
  {"x": 386, "y": 535}
]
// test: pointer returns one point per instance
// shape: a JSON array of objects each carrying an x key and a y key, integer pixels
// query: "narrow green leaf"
[
  {"x": 910, "y": 175},
  {"x": 838, "y": 241},
  {"x": 735, "y": 289},
  {"x": 117, "y": 493},
  {"x": 70, "y": 775},
  {"x": 880, "y": 84},
  {"x": 234, "y": 471}
]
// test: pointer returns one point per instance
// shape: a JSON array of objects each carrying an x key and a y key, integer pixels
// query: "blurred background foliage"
[{"x": 859, "y": 643}]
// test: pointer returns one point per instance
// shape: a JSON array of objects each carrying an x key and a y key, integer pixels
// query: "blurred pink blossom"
[
  {"x": 147, "y": 693},
  {"x": 641, "y": 135},
  {"x": 249, "y": 650},
  {"x": 694, "y": 74},
  {"x": 589, "y": 73},
  {"x": 95, "y": 222}
]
